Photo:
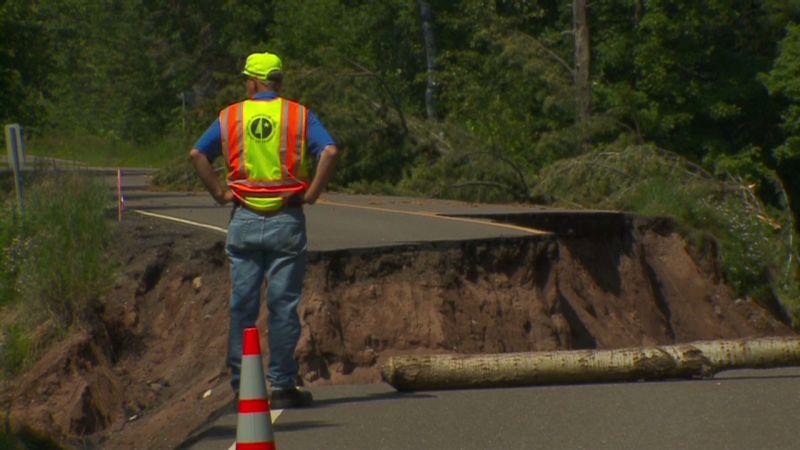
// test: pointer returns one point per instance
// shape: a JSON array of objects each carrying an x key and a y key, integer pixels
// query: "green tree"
[
  {"x": 365, "y": 83},
  {"x": 683, "y": 73},
  {"x": 783, "y": 81},
  {"x": 24, "y": 62},
  {"x": 105, "y": 80}
]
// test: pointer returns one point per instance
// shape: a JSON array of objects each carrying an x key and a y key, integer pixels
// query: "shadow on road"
[
  {"x": 215, "y": 432},
  {"x": 301, "y": 425},
  {"x": 752, "y": 376},
  {"x": 228, "y": 432},
  {"x": 371, "y": 398}
]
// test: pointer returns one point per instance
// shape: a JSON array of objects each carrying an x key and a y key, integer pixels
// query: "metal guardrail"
[{"x": 35, "y": 163}]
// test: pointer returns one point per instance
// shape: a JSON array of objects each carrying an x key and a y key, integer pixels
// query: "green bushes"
[
  {"x": 756, "y": 240},
  {"x": 53, "y": 263}
]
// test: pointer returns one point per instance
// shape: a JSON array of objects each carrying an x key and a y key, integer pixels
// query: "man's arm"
[
  {"x": 325, "y": 169},
  {"x": 209, "y": 178}
]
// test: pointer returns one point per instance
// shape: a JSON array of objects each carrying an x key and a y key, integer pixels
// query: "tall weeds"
[{"x": 53, "y": 263}]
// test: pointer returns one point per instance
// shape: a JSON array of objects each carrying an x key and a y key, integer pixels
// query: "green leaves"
[
  {"x": 784, "y": 81},
  {"x": 686, "y": 71},
  {"x": 24, "y": 64}
]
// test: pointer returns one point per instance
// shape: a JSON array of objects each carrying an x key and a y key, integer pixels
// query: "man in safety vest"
[{"x": 268, "y": 143}]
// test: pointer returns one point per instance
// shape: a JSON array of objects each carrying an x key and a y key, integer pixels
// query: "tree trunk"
[
  {"x": 582, "y": 80},
  {"x": 426, "y": 19},
  {"x": 699, "y": 359}
]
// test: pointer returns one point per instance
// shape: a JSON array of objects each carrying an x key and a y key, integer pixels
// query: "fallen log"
[{"x": 697, "y": 359}]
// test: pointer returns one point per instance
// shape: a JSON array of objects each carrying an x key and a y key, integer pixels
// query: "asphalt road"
[
  {"x": 736, "y": 410},
  {"x": 341, "y": 221},
  {"x": 746, "y": 410}
]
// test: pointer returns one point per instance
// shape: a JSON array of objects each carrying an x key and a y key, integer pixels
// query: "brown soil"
[{"x": 141, "y": 378}]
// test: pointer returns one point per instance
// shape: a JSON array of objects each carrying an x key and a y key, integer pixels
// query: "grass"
[
  {"x": 170, "y": 155},
  {"x": 53, "y": 265},
  {"x": 751, "y": 246},
  {"x": 107, "y": 151}
]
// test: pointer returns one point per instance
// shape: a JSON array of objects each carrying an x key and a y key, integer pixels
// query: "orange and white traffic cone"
[{"x": 254, "y": 425}]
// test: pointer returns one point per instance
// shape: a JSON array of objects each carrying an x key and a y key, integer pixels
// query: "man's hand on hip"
[
  {"x": 209, "y": 178},
  {"x": 310, "y": 198},
  {"x": 325, "y": 168},
  {"x": 225, "y": 198}
]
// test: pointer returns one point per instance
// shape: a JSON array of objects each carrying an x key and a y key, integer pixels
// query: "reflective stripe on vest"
[{"x": 264, "y": 142}]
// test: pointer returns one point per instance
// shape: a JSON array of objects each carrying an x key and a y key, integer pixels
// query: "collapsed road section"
[
  {"x": 610, "y": 280},
  {"x": 153, "y": 364}
]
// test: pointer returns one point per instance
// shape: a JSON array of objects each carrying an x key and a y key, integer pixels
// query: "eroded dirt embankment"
[
  {"x": 637, "y": 284},
  {"x": 141, "y": 377}
]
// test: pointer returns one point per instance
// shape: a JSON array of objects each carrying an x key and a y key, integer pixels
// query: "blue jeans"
[{"x": 274, "y": 245}]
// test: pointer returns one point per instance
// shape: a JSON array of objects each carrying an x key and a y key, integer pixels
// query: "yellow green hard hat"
[{"x": 260, "y": 65}]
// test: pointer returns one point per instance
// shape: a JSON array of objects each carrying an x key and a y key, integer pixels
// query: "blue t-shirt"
[{"x": 210, "y": 143}]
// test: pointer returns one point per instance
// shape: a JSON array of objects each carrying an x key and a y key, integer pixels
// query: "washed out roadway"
[
  {"x": 341, "y": 221},
  {"x": 750, "y": 409}
]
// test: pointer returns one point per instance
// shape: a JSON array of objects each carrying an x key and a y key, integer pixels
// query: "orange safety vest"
[{"x": 264, "y": 142}]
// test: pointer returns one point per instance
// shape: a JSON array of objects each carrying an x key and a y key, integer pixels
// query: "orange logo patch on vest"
[{"x": 260, "y": 128}]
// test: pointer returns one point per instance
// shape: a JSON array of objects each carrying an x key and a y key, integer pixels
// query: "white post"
[
  {"x": 120, "y": 199},
  {"x": 16, "y": 159},
  {"x": 22, "y": 148}
]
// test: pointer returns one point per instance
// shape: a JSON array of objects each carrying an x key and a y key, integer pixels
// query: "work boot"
[{"x": 290, "y": 398}]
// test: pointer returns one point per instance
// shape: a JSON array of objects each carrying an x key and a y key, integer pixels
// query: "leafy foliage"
[
  {"x": 756, "y": 241},
  {"x": 22, "y": 74},
  {"x": 783, "y": 82}
]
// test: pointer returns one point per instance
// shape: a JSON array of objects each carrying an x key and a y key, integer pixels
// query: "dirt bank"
[{"x": 153, "y": 371}]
